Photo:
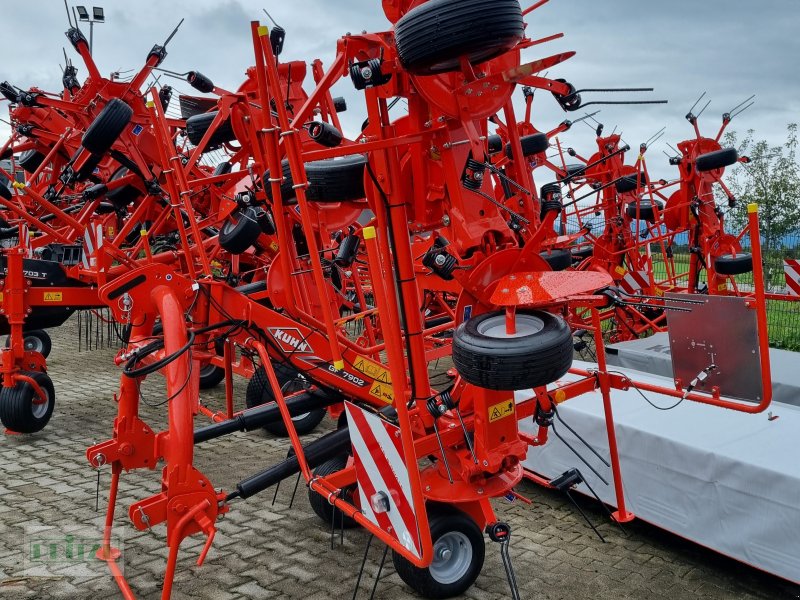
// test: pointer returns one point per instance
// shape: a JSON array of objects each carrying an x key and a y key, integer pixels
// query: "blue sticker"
[
  {"x": 468, "y": 312},
  {"x": 137, "y": 129},
  {"x": 510, "y": 497}
]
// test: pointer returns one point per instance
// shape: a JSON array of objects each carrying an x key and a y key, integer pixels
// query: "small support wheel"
[
  {"x": 458, "y": 555},
  {"x": 37, "y": 340},
  {"x": 20, "y": 408}
]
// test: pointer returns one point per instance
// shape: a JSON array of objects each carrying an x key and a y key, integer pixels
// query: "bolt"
[
  {"x": 446, "y": 220},
  {"x": 366, "y": 73},
  {"x": 440, "y": 260},
  {"x": 486, "y": 463}
]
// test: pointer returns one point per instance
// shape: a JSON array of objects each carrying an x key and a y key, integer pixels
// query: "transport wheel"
[
  {"x": 531, "y": 144},
  {"x": 197, "y": 125},
  {"x": 107, "y": 127},
  {"x": 432, "y": 37},
  {"x": 223, "y": 168},
  {"x": 320, "y": 505},
  {"x": 558, "y": 259},
  {"x": 458, "y": 555},
  {"x": 17, "y": 409},
  {"x": 537, "y": 354},
  {"x": 238, "y": 235},
  {"x": 645, "y": 208},
  {"x": 733, "y": 265},
  {"x": 718, "y": 159},
  {"x": 37, "y": 340},
  {"x": 30, "y": 160},
  {"x": 630, "y": 183},
  {"x": 260, "y": 392}
]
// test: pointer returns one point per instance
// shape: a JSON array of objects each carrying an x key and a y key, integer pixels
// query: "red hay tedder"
[{"x": 333, "y": 272}]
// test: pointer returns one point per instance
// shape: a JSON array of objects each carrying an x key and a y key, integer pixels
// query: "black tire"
[
  {"x": 260, "y": 392},
  {"x": 30, "y": 160},
  {"x": 734, "y": 265},
  {"x": 87, "y": 170},
  {"x": 329, "y": 181},
  {"x": 197, "y": 126},
  {"x": 631, "y": 183},
  {"x": 531, "y": 144},
  {"x": 645, "y": 210},
  {"x": 17, "y": 410},
  {"x": 5, "y": 192},
  {"x": 237, "y": 236},
  {"x": 320, "y": 505},
  {"x": 433, "y": 37},
  {"x": 223, "y": 168},
  {"x": 574, "y": 171},
  {"x": 538, "y": 354},
  {"x": 211, "y": 376},
  {"x": 581, "y": 254},
  {"x": 718, "y": 159},
  {"x": 287, "y": 189},
  {"x": 36, "y": 340},
  {"x": 107, "y": 127},
  {"x": 558, "y": 259},
  {"x": 451, "y": 530},
  {"x": 122, "y": 197}
]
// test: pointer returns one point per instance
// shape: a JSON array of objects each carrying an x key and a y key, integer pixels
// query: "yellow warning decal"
[
  {"x": 382, "y": 391},
  {"x": 1, "y": 296},
  {"x": 501, "y": 410},
  {"x": 373, "y": 370},
  {"x": 53, "y": 296},
  {"x": 621, "y": 271}
]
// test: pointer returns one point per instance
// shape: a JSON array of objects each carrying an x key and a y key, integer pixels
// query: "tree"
[{"x": 772, "y": 180}]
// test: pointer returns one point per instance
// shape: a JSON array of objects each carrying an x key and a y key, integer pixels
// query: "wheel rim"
[
  {"x": 33, "y": 344},
  {"x": 495, "y": 326},
  {"x": 452, "y": 556},
  {"x": 40, "y": 410}
]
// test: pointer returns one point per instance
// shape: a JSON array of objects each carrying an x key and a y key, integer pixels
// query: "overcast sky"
[{"x": 728, "y": 48}]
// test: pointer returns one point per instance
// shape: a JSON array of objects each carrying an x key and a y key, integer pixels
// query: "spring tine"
[
  {"x": 583, "y": 514},
  {"x": 378, "y": 574},
  {"x": 363, "y": 563},
  {"x": 704, "y": 109},
  {"x": 509, "y": 568},
  {"x": 466, "y": 436},
  {"x": 740, "y": 111},
  {"x": 294, "y": 491},
  {"x": 275, "y": 495},
  {"x": 697, "y": 102},
  {"x": 441, "y": 448},
  {"x": 733, "y": 110}
]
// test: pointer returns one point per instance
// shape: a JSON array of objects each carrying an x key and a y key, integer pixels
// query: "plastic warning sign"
[
  {"x": 373, "y": 370},
  {"x": 501, "y": 410}
]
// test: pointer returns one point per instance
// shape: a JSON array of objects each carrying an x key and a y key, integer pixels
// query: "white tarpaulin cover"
[{"x": 727, "y": 480}]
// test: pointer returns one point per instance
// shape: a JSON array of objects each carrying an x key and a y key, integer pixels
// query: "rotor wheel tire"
[
  {"x": 531, "y": 144},
  {"x": 645, "y": 209},
  {"x": 107, "y": 127},
  {"x": 36, "y": 340},
  {"x": 630, "y": 183},
  {"x": 329, "y": 181},
  {"x": 259, "y": 392},
  {"x": 17, "y": 409},
  {"x": 558, "y": 259},
  {"x": 320, "y": 505},
  {"x": 719, "y": 159},
  {"x": 434, "y": 36},
  {"x": 197, "y": 125},
  {"x": 575, "y": 170},
  {"x": 581, "y": 254},
  {"x": 239, "y": 235},
  {"x": 458, "y": 555},
  {"x": 211, "y": 376},
  {"x": 733, "y": 265},
  {"x": 539, "y": 353},
  {"x": 30, "y": 160},
  {"x": 287, "y": 184},
  {"x": 122, "y": 197}
]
